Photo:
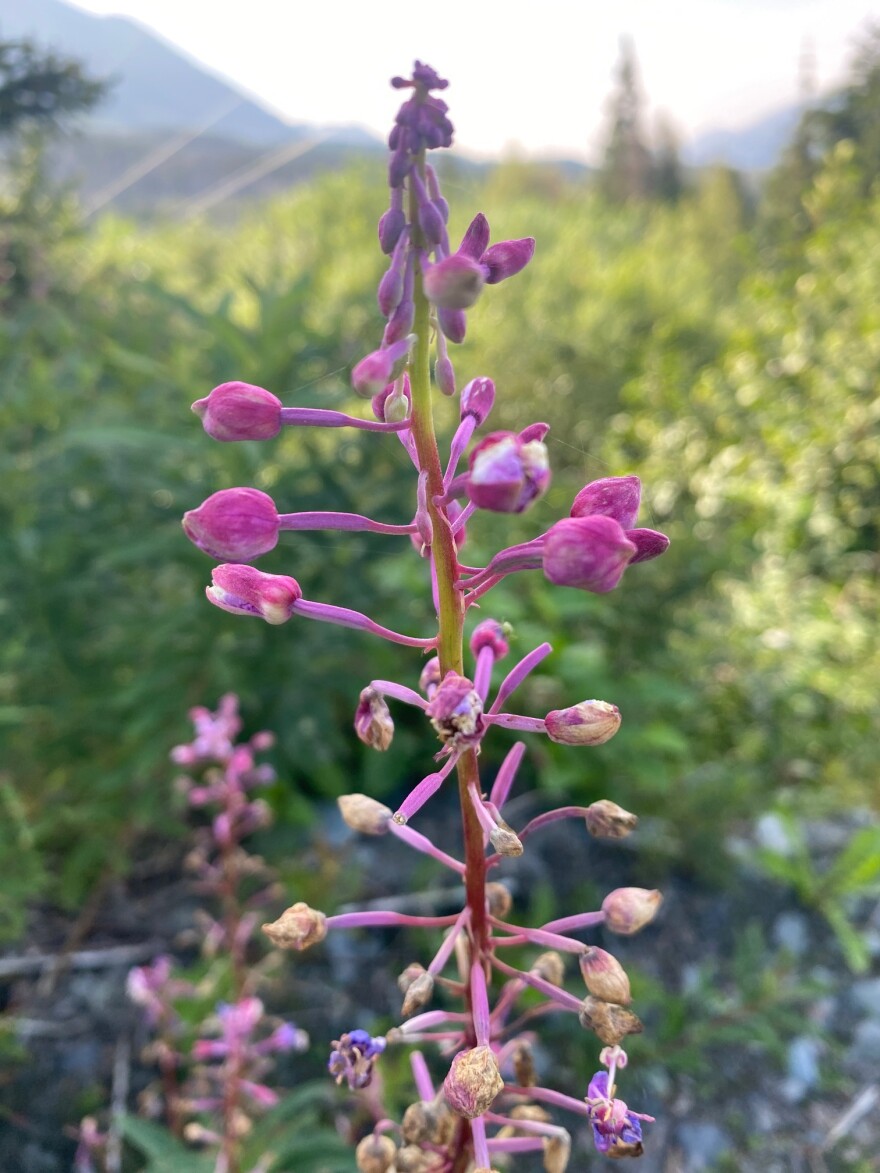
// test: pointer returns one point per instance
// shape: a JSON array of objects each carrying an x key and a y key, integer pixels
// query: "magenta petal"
[
  {"x": 649, "y": 543},
  {"x": 616, "y": 497},
  {"x": 476, "y": 240},
  {"x": 507, "y": 258}
]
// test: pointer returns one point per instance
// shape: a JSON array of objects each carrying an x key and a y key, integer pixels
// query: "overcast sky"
[{"x": 530, "y": 75}]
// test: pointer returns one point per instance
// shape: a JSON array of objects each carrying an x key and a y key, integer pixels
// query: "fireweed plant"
[
  {"x": 212, "y": 1085},
  {"x": 489, "y": 1102}
]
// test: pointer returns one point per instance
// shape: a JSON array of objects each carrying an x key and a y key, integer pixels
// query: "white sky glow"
[{"x": 528, "y": 75}]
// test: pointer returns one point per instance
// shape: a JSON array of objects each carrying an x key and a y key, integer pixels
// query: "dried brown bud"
[
  {"x": 629, "y": 909},
  {"x": 505, "y": 840},
  {"x": 530, "y": 1112},
  {"x": 375, "y": 1154},
  {"x": 523, "y": 1064},
  {"x": 604, "y": 976},
  {"x": 557, "y": 1151},
  {"x": 500, "y": 900},
  {"x": 364, "y": 814},
  {"x": 608, "y": 1022},
  {"x": 623, "y": 1149},
  {"x": 298, "y": 928},
  {"x": 417, "y": 994},
  {"x": 550, "y": 967},
  {"x": 412, "y": 1159},
  {"x": 418, "y": 1122},
  {"x": 372, "y": 720},
  {"x": 606, "y": 820},
  {"x": 473, "y": 1082}
]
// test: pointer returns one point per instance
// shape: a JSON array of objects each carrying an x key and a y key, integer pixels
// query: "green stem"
[{"x": 451, "y": 624}]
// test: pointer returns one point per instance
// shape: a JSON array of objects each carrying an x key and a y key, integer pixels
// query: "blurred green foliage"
[{"x": 668, "y": 341}]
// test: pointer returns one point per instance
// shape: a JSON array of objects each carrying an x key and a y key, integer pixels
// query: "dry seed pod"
[{"x": 606, "y": 820}]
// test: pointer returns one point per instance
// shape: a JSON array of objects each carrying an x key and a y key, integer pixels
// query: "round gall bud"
[
  {"x": 557, "y": 1152},
  {"x": 629, "y": 909},
  {"x": 473, "y": 1082},
  {"x": 364, "y": 814},
  {"x": 506, "y": 841},
  {"x": 298, "y": 928},
  {"x": 417, "y": 993},
  {"x": 604, "y": 976},
  {"x": 590, "y": 553},
  {"x": 524, "y": 1068},
  {"x": 372, "y": 720},
  {"x": 589, "y": 723},
  {"x": 499, "y": 899}
]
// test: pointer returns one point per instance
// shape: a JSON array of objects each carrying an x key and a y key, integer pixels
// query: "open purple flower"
[
  {"x": 617, "y": 1131},
  {"x": 353, "y": 1057}
]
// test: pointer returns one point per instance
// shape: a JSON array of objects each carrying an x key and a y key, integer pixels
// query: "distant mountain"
[
  {"x": 755, "y": 147},
  {"x": 155, "y": 85}
]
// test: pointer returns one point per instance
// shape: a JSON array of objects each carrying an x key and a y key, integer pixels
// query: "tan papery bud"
[
  {"x": 375, "y": 1154},
  {"x": 589, "y": 723},
  {"x": 557, "y": 1151},
  {"x": 608, "y": 1022},
  {"x": 604, "y": 976},
  {"x": 299, "y": 927},
  {"x": 524, "y": 1065},
  {"x": 418, "y": 1122},
  {"x": 473, "y": 1082},
  {"x": 606, "y": 820},
  {"x": 500, "y": 900},
  {"x": 364, "y": 814},
  {"x": 417, "y": 994},
  {"x": 412, "y": 1159},
  {"x": 506, "y": 841},
  {"x": 550, "y": 967},
  {"x": 629, "y": 909},
  {"x": 532, "y": 1112}
]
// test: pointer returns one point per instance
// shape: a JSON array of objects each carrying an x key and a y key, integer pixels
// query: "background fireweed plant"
[{"x": 488, "y": 1102}]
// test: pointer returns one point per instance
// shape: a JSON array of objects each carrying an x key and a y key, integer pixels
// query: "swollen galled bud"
[
  {"x": 473, "y": 1082},
  {"x": 239, "y": 411},
  {"x": 299, "y": 927},
  {"x": 590, "y": 553},
  {"x": 557, "y": 1153},
  {"x": 417, "y": 987},
  {"x": 456, "y": 710},
  {"x": 234, "y": 525},
  {"x": 629, "y": 909},
  {"x": 589, "y": 723},
  {"x": 490, "y": 634},
  {"x": 455, "y": 282}
]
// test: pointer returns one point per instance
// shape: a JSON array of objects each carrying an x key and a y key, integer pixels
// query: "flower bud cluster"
[{"x": 487, "y": 1102}]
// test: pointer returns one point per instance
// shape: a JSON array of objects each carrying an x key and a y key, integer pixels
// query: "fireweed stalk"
[
  {"x": 488, "y": 1102},
  {"x": 210, "y": 1091}
]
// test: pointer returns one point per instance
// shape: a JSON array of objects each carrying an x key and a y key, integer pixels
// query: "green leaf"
[{"x": 164, "y": 1153}]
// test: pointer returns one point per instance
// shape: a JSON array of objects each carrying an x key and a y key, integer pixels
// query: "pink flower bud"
[
  {"x": 298, "y": 928},
  {"x": 616, "y": 497},
  {"x": 507, "y": 475},
  {"x": 589, "y": 723},
  {"x": 477, "y": 399},
  {"x": 236, "y": 525},
  {"x": 394, "y": 402},
  {"x": 490, "y": 634},
  {"x": 590, "y": 553},
  {"x": 239, "y": 411},
  {"x": 453, "y": 323},
  {"x": 473, "y": 1082},
  {"x": 444, "y": 375},
  {"x": 507, "y": 258},
  {"x": 604, "y": 976},
  {"x": 455, "y": 282},
  {"x": 456, "y": 710},
  {"x": 381, "y": 367},
  {"x": 629, "y": 909},
  {"x": 244, "y": 590},
  {"x": 430, "y": 677},
  {"x": 372, "y": 720}
]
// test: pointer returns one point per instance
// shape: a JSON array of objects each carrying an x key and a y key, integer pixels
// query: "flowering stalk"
[{"x": 424, "y": 297}]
